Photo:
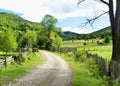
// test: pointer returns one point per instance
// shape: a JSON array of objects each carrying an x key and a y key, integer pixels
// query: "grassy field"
[
  {"x": 104, "y": 51},
  {"x": 15, "y": 70},
  {"x": 82, "y": 74}
]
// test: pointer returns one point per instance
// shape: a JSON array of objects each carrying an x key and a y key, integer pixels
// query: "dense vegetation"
[{"x": 28, "y": 34}]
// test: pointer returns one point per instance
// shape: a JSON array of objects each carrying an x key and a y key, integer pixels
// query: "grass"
[
  {"x": 8, "y": 53},
  {"x": 14, "y": 70},
  {"x": 105, "y": 55},
  {"x": 81, "y": 73},
  {"x": 104, "y": 51}
]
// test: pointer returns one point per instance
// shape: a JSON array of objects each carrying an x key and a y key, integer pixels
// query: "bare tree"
[{"x": 114, "y": 15}]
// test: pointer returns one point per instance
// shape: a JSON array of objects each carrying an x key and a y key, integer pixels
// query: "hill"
[
  {"x": 98, "y": 34},
  {"x": 8, "y": 20}
]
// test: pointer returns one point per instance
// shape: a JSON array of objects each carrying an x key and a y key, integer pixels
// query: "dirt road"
[{"x": 54, "y": 72}]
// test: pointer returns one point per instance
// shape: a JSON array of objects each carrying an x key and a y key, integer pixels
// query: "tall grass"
[
  {"x": 14, "y": 70},
  {"x": 85, "y": 72}
]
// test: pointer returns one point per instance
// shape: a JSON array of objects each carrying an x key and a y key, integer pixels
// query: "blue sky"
[{"x": 69, "y": 15}]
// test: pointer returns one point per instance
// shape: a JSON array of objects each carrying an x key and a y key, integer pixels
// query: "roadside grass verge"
[
  {"x": 14, "y": 70},
  {"x": 84, "y": 73}
]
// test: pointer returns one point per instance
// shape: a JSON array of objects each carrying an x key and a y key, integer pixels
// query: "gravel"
[{"x": 54, "y": 72}]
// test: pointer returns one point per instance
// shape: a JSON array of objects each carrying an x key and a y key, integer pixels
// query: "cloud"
[{"x": 34, "y": 10}]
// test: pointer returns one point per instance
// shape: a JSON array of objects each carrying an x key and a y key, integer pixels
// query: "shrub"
[
  {"x": 84, "y": 43},
  {"x": 80, "y": 55},
  {"x": 93, "y": 68},
  {"x": 107, "y": 40},
  {"x": 70, "y": 54}
]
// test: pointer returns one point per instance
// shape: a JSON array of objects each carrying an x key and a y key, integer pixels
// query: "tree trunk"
[
  {"x": 115, "y": 25},
  {"x": 6, "y": 60}
]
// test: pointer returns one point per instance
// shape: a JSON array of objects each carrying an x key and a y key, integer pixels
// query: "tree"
[
  {"x": 107, "y": 40},
  {"x": 52, "y": 36},
  {"x": 7, "y": 42},
  {"x": 58, "y": 42},
  {"x": 49, "y": 24},
  {"x": 114, "y": 15},
  {"x": 115, "y": 26},
  {"x": 28, "y": 39},
  {"x": 49, "y": 29}
]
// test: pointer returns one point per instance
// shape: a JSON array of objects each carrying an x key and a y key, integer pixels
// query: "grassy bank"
[
  {"x": 14, "y": 70},
  {"x": 84, "y": 73}
]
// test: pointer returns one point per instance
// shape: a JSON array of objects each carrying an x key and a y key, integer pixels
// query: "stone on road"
[{"x": 54, "y": 72}]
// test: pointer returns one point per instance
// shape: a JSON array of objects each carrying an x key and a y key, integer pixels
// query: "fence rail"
[
  {"x": 102, "y": 63},
  {"x": 112, "y": 67},
  {"x": 9, "y": 60}
]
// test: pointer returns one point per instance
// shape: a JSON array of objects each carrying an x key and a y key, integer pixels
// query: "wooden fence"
[
  {"x": 68, "y": 49},
  {"x": 115, "y": 70},
  {"x": 102, "y": 63},
  {"x": 9, "y": 60},
  {"x": 111, "y": 68}
]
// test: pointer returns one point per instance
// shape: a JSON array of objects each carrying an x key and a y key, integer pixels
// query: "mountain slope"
[
  {"x": 98, "y": 34},
  {"x": 13, "y": 21}
]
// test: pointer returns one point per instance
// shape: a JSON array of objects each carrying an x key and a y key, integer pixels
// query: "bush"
[
  {"x": 84, "y": 43},
  {"x": 80, "y": 55},
  {"x": 93, "y": 68},
  {"x": 107, "y": 40},
  {"x": 70, "y": 54}
]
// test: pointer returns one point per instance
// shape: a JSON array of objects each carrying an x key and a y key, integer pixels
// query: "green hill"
[
  {"x": 98, "y": 34},
  {"x": 13, "y": 21},
  {"x": 8, "y": 20}
]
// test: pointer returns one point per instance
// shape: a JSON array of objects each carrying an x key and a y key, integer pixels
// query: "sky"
[{"x": 69, "y": 14}]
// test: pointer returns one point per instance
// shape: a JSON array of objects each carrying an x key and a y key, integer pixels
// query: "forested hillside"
[
  {"x": 98, "y": 34},
  {"x": 15, "y": 22},
  {"x": 30, "y": 34}
]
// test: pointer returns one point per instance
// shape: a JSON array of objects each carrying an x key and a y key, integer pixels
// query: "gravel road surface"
[{"x": 54, "y": 72}]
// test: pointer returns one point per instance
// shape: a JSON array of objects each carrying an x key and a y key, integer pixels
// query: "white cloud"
[{"x": 34, "y": 10}]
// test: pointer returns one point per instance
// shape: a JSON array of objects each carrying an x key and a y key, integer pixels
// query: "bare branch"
[
  {"x": 103, "y": 1},
  {"x": 91, "y": 21},
  {"x": 80, "y": 1}
]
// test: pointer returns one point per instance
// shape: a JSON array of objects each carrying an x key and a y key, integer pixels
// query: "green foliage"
[
  {"x": 41, "y": 40},
  {"x": 29, "y": 38},
  {"x": 93, "y": 68},
  {"x": 29, "y": 33},
  {"x": 58, "y": 42},
  {"x": 8, "y": 40},
  {"x": 52, "y": 37},
  {"x": 107, "y": 40},
  {"x": 83, "y": 74},
  {"x": 80, "y": 55}
]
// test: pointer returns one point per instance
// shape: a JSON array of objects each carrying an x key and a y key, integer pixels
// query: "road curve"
[{"x": 54, "y": 72}]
